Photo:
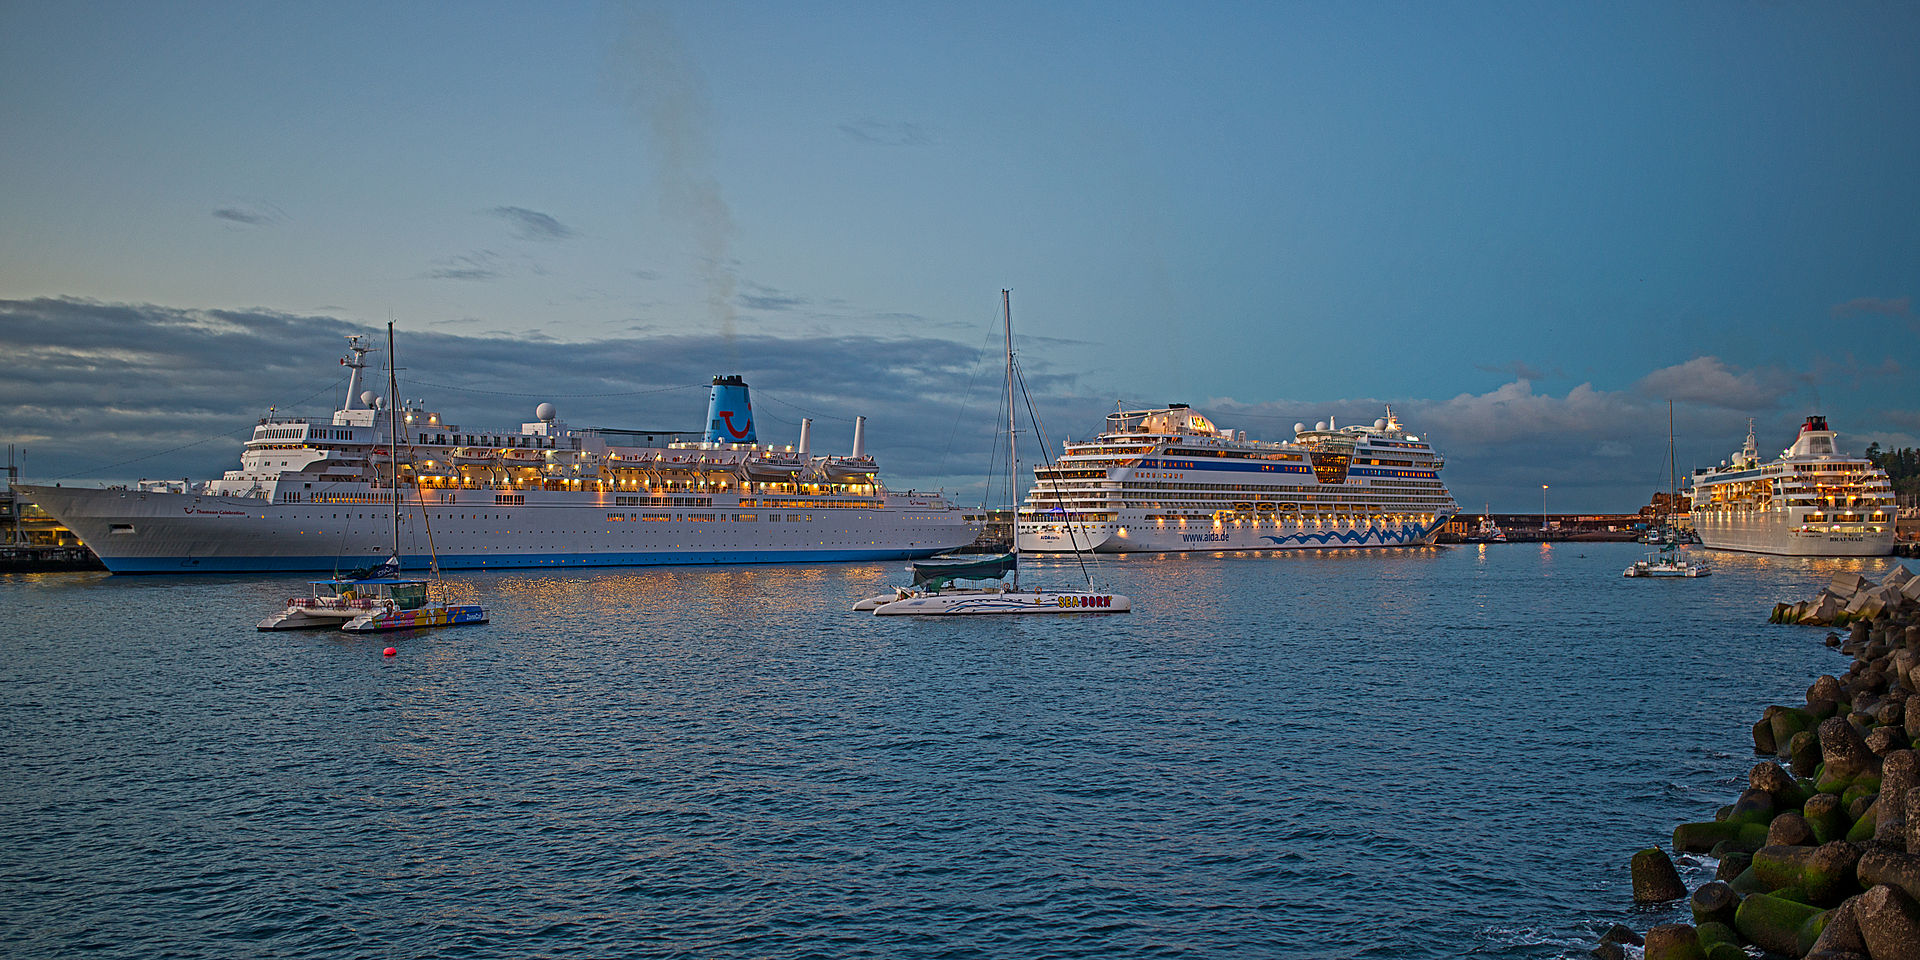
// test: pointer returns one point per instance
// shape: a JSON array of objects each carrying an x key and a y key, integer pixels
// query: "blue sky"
[{"x": 1525, "y": 225}]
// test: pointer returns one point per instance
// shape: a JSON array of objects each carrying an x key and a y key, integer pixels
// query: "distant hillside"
[{"x": 1902, "y": 467}]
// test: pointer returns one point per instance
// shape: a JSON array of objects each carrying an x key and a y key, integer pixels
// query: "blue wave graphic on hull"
[{"x": 1413, "y": 534}]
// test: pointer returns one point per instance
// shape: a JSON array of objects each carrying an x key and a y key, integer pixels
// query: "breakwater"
[{"x": 1819, "y": 858}]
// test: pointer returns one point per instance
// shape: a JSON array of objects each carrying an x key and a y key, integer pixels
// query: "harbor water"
[{"x": 1415, "y": 754}]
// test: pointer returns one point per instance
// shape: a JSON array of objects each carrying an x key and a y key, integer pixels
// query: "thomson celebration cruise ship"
[
  {"x": 1169, "y": 480},
  {"x": 1810, "y": 502},
  {"x": 318, "y": 494}
]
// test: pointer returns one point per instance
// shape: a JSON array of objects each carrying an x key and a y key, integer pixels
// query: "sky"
[{"x": 1526, "y": 226}]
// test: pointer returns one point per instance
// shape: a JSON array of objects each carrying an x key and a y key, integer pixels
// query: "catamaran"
[{"x": 930, "y": 595}]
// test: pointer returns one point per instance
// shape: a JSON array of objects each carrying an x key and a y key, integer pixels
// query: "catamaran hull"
[
  {"x": 969, "y": 603},
  {"x": 1142, "y": 536},
  {"x": 136, "y": 531}
]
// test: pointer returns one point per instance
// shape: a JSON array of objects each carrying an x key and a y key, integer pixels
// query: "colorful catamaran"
[
  {"x": 311, "y": 493},
  {"x": 1169, "y": 480},
  {"x": 1811, "y": 501}
]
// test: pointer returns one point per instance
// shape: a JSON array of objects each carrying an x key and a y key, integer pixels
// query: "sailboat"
[
  {"x": 377, "y": 599},
  {"x": 932, "y": 596},
  {"x": 1667, "y": 562}
]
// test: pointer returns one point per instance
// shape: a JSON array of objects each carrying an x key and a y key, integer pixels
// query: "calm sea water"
[{"x": 1430, "y": 753}]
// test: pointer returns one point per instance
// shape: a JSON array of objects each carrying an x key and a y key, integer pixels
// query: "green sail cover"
[{"x": 935, "y": 574}]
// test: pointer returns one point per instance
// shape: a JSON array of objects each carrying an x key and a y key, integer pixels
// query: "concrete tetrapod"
[
  {"x": 1778, "y": 925},
  {"x": 1674, "y": 941},
  {"x": 1654, "y": 878},
  {"x": 1889, "y": 923},
  {"x": 1825, "y": 874}
]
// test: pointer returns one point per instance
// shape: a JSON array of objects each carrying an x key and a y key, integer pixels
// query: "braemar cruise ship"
[
  {"x": 1812, "y": 501},
  {"x": 319, "y": 494},
  {"x": 1169, "y": 480}
]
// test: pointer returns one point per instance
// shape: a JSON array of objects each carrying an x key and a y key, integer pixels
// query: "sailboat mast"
[
  {"x": 393, "y": 442},
  {"x": 1013, "y": 446},
  {"x": 1673, "y": 482}
]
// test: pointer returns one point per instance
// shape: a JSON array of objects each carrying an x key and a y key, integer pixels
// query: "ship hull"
[
  {"x": 1775, "y": 534},
  {"x": 135, "y": 531},
  {"x": 1142, "y": 536}
]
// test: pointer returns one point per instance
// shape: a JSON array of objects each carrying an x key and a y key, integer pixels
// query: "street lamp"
[{"x": 1543, "y": 511}]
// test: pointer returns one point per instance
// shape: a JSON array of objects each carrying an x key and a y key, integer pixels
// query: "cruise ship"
[
  {"x": 1812, "y": 501},
  {"x": 1169, "y": 480},
  {"x": 318, "y": 494}
]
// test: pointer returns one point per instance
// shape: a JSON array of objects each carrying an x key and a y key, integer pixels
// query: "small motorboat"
[{"x": 1667, "y": 562}]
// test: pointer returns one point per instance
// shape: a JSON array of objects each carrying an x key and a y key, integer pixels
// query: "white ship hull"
[
  {"x": 1776, "y": 532},
  {"x": 1138, "y": 535},
  {"x": 135, "y": 531}
]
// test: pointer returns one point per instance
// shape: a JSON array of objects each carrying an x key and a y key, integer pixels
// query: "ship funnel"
[
  {"x": 806, "y": 436},
  {"x": 859, "y": 437},
  {"x": 729, "y": 413}
]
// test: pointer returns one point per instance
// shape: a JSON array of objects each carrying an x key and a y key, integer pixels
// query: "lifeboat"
[
  {"x": 771, "y": 468},
  {"x": 474, "y": 457},
  {"x": 850, "y": 468},
  {"x": 523, "y": 457}
]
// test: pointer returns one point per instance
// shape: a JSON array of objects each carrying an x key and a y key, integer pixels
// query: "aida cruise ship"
[
  {"x": 1812, "y": 501},
  {"x": 1169, "y": 480}
]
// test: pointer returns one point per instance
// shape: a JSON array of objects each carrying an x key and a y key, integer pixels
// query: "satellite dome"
[
  {"x": 1380, "y": 424},
  {"x": 1319, "y": 424},
  {"x": 545, "y": 412},
  {"x": 368, "y": 396},
  {"x": 1299, "y": 427}
]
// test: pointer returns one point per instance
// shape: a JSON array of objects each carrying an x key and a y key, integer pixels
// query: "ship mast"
[
  {"x": 1013, "y": 447},
  {"x": 393, "y": 445},
  {"x": 1673, "y": 484}
]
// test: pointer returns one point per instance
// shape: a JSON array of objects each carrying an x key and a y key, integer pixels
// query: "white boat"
[
  {"x": 938, "y": 575},
  {"x": 312, "y": 489},
  {"x": 1811, "y": 501},
  {"x": 1667, "y": 562},
  {"x": 1168, "y": 480},
  {"x": 376, "y": 600},
  {"x": 929, "y": 598},
  {"x": 1488, "y": 531}
]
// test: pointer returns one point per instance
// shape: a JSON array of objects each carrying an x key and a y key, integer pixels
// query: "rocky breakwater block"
[
  {"x": 1714, "y": 902},
  {"x": 1840, "y": 937},
  {"x": 1889, "y": 923},
  {"x": 1782, "y": 724},
  {"x": 1779, "y": 925},
  {"x": 1789, "y": 829},
  {"x": 1898, "y": 774},
  {"x": 1845, "y": 756},
  {"x": 1654, "y": 878},
  {"x": 1804, "y": 753},
  {"x": 1882, "y": 865},
  {"x": 1744, "y": 828},
  {"x": 1823, "y": 875},
  {"x": 1674, "y": 941},
  {"x": 1777, "y": 783},
  {"x": 1826, "y": 816}
]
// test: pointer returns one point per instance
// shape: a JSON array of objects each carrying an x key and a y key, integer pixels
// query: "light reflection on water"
[{"x": 1425, "y": 753}]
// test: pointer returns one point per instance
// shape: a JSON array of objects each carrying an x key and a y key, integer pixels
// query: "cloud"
[
  {"x": 767, "y": 298},
  {"x": 531, "y": 224},
  {"x": 482, "y": 265},
  {"x": 1894, "y": 307},
  {"x": 249, "y": 216},
  {"x": 1710, "y": 382},
  {"x": 888, "y": 133}
]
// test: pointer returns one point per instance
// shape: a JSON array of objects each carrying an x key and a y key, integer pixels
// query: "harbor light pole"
[{"x": 1543, "y": 511}]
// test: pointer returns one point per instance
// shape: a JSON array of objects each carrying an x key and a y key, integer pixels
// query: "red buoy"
[{"x": 388, "y": 652}]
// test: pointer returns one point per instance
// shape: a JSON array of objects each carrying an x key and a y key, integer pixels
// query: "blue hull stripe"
[{"x": 417, "y": 564}]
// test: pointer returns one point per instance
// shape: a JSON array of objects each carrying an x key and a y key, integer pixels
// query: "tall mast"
[
  {"x": 1013, "y": 447},
  {"x": 393, "y": 442},
  {"x": 1673, "y": 484}
]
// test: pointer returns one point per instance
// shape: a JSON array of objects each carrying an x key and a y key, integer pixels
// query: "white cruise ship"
[
  {"x": 316, "y": 494},
  {"x": 1169, "y": 480},
  {"x": 1810, "y": 502}
]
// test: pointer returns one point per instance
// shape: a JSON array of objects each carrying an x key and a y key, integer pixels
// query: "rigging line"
[
  {"x": 1040, "y": 436},
  {"x": 228, "y": 435},
  {"x": 810, "y": 413},
  {"x": 558, "y": 396}
]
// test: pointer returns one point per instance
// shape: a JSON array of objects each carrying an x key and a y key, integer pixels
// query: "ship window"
[{"x": 120, "y": 528}]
